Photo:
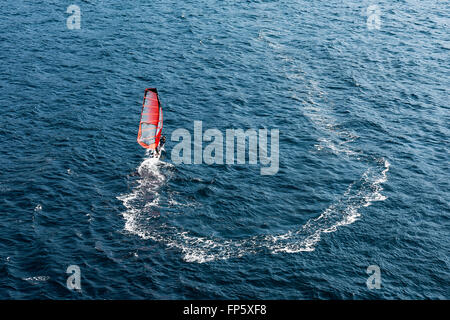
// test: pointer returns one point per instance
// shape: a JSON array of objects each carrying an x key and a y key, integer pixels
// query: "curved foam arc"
[
  {"x": 202, "y": 249},
  {"x": 341, "y": 213},
  {"x": 344, "y": 212}
]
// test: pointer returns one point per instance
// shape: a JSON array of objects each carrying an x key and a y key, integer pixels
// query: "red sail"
[{"x": 151, "y": 124}]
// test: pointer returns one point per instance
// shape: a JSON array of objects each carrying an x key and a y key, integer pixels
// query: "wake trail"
[
  {"x": 345, "y": 211},
  {"x": 142, "y": 203}
]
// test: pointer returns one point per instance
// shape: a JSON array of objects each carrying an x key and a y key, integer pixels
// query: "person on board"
[{"x": 161, "y": 144}]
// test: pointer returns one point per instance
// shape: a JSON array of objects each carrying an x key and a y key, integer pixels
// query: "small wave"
[{"x": 37, "y": 279}]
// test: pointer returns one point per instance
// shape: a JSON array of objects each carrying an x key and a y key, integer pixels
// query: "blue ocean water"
[{"x": 363, "y": 117}]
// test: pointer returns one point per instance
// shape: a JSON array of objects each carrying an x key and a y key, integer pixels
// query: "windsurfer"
[{"x": 161, "y": 144}]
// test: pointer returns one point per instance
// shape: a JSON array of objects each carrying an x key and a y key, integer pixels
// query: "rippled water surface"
[{"x": 363, "y": 118}]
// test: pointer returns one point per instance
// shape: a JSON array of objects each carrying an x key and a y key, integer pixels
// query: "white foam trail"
[
  {"x": 344, "y": 212},
  {"x": 319, "y": 114},
  {"x": 144, "y": 196},
  {"x": 202, "y": 249}
]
